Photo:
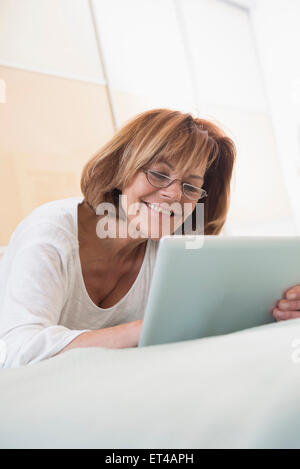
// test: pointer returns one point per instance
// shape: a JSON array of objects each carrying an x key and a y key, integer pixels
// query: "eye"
[
  {"x": 159, "y": 176},
  {"x": 192, "y": 189}
]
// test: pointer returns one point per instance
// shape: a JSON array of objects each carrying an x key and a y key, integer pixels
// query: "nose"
[{"x": 173, "y": 192}]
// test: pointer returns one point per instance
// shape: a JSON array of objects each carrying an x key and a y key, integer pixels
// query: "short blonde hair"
[{"x": 189, "y": 142}]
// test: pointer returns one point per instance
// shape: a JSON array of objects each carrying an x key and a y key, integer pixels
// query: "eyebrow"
[{"x": 162, "y": 160}]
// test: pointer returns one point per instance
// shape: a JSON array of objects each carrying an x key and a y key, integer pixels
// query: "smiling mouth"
[{"x": 159, "y": 209}]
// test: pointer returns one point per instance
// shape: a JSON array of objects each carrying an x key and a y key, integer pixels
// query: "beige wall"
[{"x": 49, "y": 127}]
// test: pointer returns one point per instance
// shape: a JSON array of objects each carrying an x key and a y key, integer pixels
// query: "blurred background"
[{"x": 73, "y": 71}]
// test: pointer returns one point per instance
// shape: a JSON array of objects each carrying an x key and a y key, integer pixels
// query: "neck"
[{"x": 115, "y": 249}]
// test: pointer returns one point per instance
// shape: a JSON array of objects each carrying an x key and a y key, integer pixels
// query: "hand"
[{"x": 289, "y": 306}]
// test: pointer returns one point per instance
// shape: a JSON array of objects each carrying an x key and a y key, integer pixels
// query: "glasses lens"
[
  {"x": 161, "y": 180},
  {"x": 157, "y": 179},
  {"x": 192, "y": 192}
]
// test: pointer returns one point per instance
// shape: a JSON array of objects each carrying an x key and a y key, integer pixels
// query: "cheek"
[{"x": 138, "y": 190}]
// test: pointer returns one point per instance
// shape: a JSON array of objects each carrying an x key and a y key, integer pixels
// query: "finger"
[
  {"x": 293, "y": 293},
  {"x": 284, "y": 315},
  {"x": 288, "y": 305},
  {"x": 278, "y": 315}
]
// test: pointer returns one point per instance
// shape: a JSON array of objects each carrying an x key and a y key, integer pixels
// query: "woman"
[{"x": 66, "y": 281}]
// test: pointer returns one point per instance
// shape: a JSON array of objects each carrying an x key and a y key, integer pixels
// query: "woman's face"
[{"x": 155, "y": 212}]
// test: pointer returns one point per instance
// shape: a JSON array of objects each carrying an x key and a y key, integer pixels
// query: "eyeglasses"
[{"x": 159, "y": 180}]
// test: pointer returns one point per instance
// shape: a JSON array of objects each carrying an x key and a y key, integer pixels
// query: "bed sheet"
[{"x": 239, "y": 390}]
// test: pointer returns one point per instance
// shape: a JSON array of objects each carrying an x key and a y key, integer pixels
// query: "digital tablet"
[{"x": 224, "y": 285}]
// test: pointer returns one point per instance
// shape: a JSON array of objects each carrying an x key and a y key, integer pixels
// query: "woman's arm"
[
  {"x": 33, "y": 286},
  {"x": 288, "y": 307},
  {"x": 121, "y": 336}
]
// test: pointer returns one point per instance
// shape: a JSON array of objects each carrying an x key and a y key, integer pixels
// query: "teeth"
[{"x": 158, "y": 209}]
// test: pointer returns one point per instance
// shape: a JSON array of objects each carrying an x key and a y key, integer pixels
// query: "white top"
[{"x": 44, "y": 304}]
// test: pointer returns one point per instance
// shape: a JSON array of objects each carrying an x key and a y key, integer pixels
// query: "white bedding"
[{"x": 236, "y": 391}]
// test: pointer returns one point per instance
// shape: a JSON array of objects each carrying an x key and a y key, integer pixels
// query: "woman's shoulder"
[{"x": 54, "y": 223}]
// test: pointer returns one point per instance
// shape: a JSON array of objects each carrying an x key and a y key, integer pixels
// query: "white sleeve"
[{"x": 35, "y": 293}]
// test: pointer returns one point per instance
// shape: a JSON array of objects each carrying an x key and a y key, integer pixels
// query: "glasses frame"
[{"x": 147, "y": 171}]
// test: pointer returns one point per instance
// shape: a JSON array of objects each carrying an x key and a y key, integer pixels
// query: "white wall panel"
[
  {"x": 276, "y": 26},
  {"x": 223, "y": 54},
  {"x": 50, "y": 36},
  {"x": 143, "y": 50}
]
